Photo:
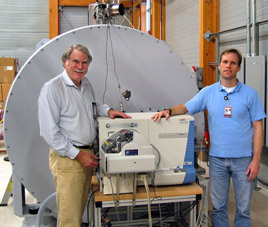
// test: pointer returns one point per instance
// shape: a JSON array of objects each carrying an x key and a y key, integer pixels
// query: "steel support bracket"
[{"x": 208, "y": 36}]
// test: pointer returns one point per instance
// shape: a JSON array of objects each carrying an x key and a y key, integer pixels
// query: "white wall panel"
[
  {"x": 22, "y": 25},
  {"x": 182, "y": 29}
]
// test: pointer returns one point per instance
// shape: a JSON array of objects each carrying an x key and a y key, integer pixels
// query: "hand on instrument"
[
  {"x": 87, "y": 159},
  {"x": 115, "y": 113},
  {"x": 159, "y": 115}
]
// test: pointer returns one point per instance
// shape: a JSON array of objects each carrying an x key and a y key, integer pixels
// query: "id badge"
[{"x": 228, "y": 111}]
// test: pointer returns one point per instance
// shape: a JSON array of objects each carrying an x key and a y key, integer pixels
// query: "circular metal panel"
[{"x": 140, "y": 63}]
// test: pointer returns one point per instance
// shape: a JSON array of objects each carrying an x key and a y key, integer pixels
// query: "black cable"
[
  {"x": 88, "y": 201},
  {"x": 208, "y": 219},
  {"x": 155, "y": 189},
  {"x": 106, "y": 211}
]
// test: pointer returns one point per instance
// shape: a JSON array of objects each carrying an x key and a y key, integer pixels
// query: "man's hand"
[
  {"x": 114, "y": 113},
  {"x": 159, "y": 115},
  {"x": 87, "y": 159},
  {"x": 253, "y": 169}
]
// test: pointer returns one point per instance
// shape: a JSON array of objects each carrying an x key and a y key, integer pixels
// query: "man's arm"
[
  {"x": 254, "y": 166},
  {"x": 175, "y": 110}
]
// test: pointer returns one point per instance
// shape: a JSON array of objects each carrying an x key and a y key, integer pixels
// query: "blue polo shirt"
[{"x": 230, "y": 137}]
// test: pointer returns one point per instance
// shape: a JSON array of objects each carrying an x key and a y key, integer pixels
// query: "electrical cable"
[
  {"x": 109, "y": 41},
  {"x": 115, "y": 72},
  {"x": 155, "y": 186},
  {"x": 199, "y": 219},
  {"x": 159, "y": 156},
  {"x": 149, "y": 202},
  {"x": 88, "y": 201},
  {"x": 106, "y": 59},
  {"x": 125, "y": 18},
  {"x": 156, "y": 197},
  {"x": 188, "y": 209},
  {"x": 209, "y": 221},
  {"x": 115, "y": 206}
]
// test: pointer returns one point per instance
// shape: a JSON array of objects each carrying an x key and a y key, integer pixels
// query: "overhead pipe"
[{"x": 255, "y": 31}]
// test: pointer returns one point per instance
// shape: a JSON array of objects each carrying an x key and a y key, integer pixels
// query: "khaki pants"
[{"x": 72, "y": 182}]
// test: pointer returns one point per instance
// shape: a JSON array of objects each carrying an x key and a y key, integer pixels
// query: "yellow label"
[{"x": 9, "y": 187}]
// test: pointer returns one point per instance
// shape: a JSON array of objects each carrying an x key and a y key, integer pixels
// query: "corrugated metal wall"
[
  {"x": 182, "y": 29},
  {"x": 234, "y": 14},
  {"x": 23, "y": 24}
]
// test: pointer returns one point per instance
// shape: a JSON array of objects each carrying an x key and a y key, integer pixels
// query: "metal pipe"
[
  {"x": 236, "y": 29},
  {"x": 217, "y": 57},
  {"x": 228, "y": 31},
  {"x": 161, "y": 11},
  {"x": 248, "y": 28},
  {"x": 255, "y": 31}
]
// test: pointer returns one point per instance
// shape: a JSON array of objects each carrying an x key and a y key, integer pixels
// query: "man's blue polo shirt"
[{"x": 230, "y": 137}]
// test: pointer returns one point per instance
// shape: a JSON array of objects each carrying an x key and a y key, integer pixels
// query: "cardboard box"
[
  {"x": 5, "y": 90},
  {"x": 7, "y": 70}
]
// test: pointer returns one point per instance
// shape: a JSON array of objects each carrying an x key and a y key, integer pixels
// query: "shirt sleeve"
[
  {"x": 256, "y": 110},
  {"x": 198, "y": 102},
  {"x": 48, "y": 117},
  {"x": 103, "y": 110}
]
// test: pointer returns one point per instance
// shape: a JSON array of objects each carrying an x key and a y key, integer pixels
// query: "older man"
[{"x": 66, "y": 110}]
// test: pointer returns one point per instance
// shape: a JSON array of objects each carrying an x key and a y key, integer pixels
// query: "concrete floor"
[
  {"x": 259, "y": 204},
  {"x": 259, "y": 207},
  {"x": 7, "y": 217}
]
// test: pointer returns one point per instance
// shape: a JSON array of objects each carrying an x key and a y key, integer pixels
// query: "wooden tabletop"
[{"x": 161, "y": 191}]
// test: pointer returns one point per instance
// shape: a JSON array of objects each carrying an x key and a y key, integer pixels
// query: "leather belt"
[{"x": 84, "y": 147}]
